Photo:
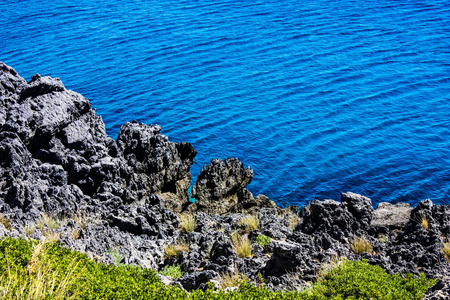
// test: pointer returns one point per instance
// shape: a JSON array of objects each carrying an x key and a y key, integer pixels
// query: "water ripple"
[{"x": 319, "y": 98}]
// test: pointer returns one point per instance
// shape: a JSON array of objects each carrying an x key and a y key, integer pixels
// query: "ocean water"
[{"x": 318, "y": 97}]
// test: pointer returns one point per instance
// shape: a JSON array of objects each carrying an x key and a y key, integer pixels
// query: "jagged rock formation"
[
  {"x": 56, "y": 158},
  {"x": 221, "y": 188},
  {"x": 114, "y": 197}
]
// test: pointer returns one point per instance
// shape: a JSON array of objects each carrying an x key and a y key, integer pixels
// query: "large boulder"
[{"x": 221, "y": 188}]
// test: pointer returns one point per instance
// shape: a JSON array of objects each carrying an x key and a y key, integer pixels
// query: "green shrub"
[
  {"x": 359, "y": 280},
  {"x": 262, "y": 240},
  {"x": 46, "y": 270},
  {"x": 172, "y": 271}
]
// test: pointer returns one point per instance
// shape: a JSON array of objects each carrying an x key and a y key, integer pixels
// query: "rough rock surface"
[
  {"x": 116, "y": 201},
  {"x": 221, "y": 188},
  {"x": 393, "y": 216}
]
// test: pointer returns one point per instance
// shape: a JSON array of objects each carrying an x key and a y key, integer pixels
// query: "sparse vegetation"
[
  {"x": 446, "y": 250},
  {"x": 251, "y": 222},
  {"x": 421, "y": 220},
  {"x": 241, "y": 245},
  {"x": 232, "y": 279},
  {"x": 172, "y": 271},
  {"x": 81, "y": 219},
  {"x": 5, "y": 221},
  {"x": 188, "y": 223},
  {"x": 46, "y": 270},
  {"x": 360, "y": 245},
  {"x": 293, "y": 221},
  {"x": 116, "y": 255},
  {"x": 46, "y": 219},
  {"x": 262, "y": 240},
  {"x": 174, "y": 250}
]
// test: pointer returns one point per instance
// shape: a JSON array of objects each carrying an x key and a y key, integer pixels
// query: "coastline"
[{"x": 131, "y": 194}]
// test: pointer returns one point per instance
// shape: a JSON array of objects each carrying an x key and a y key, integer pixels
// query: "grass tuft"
[
  {"x": 174, "y": 250},
  {"x": 235, "y": 279},
  {"x": 360, "y": 245},
  {"x": 5, "y": 221},
  {"x": 421, "y": 220},
  {"x": 251, "y": 223},
  {"x": 446, "y": 250},
  {"x": 188, "y": 223},
  {"x": 48, "y": 220},
  {"x": 242, "y": 245}
]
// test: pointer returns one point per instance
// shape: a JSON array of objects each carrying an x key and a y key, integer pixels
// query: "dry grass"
[
  {"x": 446, "y": 250},
  {"x": 232, "y": 279},
  {"x": 251, "y": 222},
  {"x": 241, "y": 244},
  {"x": 46, "y": 219},
  {"x": 421, "y": 220},
  {"x": 5, "y": 221},
  {"x": 174, "y": 250},
  {"x": 75, "y": 234},
  {"x": 293, "y": 221},
  {"x": 81, "y": 219},
  {"x": 188, "y": 223},
  {"x": 360, "y": 245}
]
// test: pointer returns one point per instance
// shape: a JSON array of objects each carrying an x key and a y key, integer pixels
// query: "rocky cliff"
[{"x": 61, "y": 175}]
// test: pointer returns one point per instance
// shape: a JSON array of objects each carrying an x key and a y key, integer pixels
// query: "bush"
[
  {"x": 32, "y": 270},
  {"x": 262, "y": 240},
  {"x": 359, "y": 280}
]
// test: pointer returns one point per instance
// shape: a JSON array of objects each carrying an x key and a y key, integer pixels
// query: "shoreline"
[{"x": 57, "y": 162}]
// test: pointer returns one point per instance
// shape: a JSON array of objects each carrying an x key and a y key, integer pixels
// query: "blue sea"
[{"x": 318, "y": 97}]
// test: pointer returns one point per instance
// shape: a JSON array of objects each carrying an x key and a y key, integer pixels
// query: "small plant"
[
  {"x": 5, "y": 221},
  {"x": 446, "y": 250},
  {"x": 241, "y": 244},
  {"x": 75, "y": 234},
  {"x": 174, "y": 250},
  {"x": 251, "y": 222},
  {"x": 81, "y": 219},
  {"x": 188, "y": 223},
  {"x": 421, "y": 220},
  {"x": 360, "y": 245},
  {"x": 48, "y": 220},
  {"x": 262, "y": 240},
  {"x": 30, "y": 229},
  {"x": 232, "y": 279},
  {"x": 172, "y": 271},
  {"x": 293, "y": 221},
  {"x": 382, "y": 238},
  {"x": 114, "y": 253}
]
